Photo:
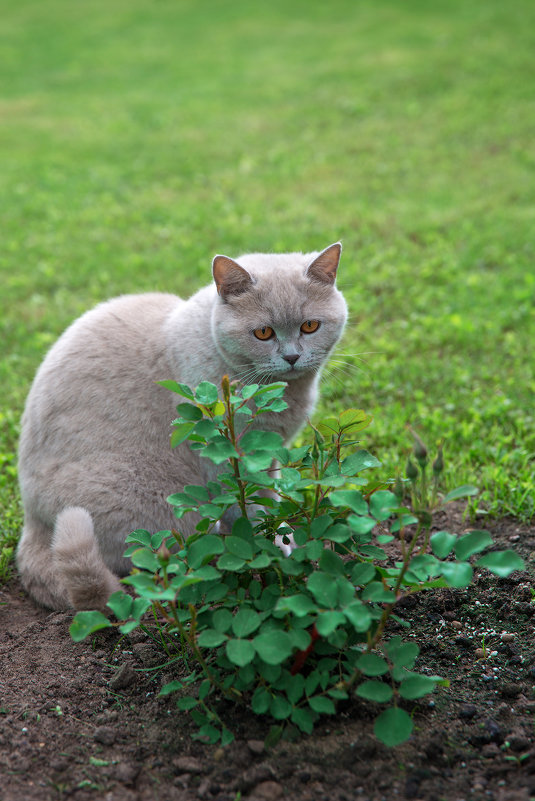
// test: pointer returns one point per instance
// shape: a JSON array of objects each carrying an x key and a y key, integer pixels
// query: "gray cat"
[{"x": 95, "y": 460}]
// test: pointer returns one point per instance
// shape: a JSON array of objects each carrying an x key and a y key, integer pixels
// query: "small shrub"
[{"x": 292, "y": 636}]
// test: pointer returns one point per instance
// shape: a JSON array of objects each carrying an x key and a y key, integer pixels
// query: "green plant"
[{"x": 288, "y": 636}]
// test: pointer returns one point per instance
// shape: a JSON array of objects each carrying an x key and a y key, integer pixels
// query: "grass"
[{"x": 142, "y": 138}]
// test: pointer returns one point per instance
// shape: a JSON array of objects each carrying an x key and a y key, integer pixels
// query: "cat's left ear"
[
  {"x": 324, "y": 266},
  {"x": 229, "y": 277}
]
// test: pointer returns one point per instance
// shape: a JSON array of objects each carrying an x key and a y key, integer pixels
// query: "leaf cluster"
[{"x": 290, "y": 637}]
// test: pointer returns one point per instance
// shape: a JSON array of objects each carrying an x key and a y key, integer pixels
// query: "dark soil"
[{"x": 84, "y": 721}]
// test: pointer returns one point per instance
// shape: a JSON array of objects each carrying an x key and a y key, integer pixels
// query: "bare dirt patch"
[{"x": 84, "y": 721}]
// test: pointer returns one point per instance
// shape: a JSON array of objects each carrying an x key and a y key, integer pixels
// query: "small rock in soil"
[
  {"x": 256, "y": 746},
  {"x": 467, "y": 711},
  {"x": 518, "y": 741},
  {"x": 203, "y": 790},
  {"x": 125, "y": 676},
  {"x": 510, "y": 689},
  {"x": 147, "y": 654},
  {"x": 464, "y": 642},
  {"x": 187, "y": 764},
  {"x": 105, "y": 735},
  {"x": 254, "y": 776},
  {"x": 494, "y": 730},
  {"x": 126, "y": 772},
  {"x": 266, "y": 791}
]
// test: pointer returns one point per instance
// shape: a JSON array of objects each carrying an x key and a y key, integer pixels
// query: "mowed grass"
[{"x": 139, "y": 139}]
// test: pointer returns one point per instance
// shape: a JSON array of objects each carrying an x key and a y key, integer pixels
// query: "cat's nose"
[{"x": 291, "y": 358}]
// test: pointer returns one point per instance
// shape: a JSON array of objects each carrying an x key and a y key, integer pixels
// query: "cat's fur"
[{"x": 95, "y": 460}]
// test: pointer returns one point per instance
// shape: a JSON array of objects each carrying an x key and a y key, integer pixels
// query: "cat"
[{"x": 95, "y": 460}]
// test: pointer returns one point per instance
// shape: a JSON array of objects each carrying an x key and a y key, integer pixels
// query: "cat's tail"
[
  {"x": 68, "y": 571},
  {"x": 81, "y": 570}
]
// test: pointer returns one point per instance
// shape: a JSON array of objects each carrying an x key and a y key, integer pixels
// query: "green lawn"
[{"x": 140, "y": 138}]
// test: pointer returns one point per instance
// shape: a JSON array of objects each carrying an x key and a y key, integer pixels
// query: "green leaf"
[
  {"x": 248, "y": 391},
  {"x": 362, "y": 573},
  {"x": 203, "y": 549},
  {"x": 442, "y": 543},
  {"x": 222, "y": 619},
  {"x": 181, "y": 432},
  {"x": 171, "y": 687},
  {"x": 300, "y": 605},
  {"x": 382, "y": 503},
  {"x": 228, "y": 561},
  {"x": 98, "y": 763},
  {"x": 352, "y": 499},
  {"x": 375, "y": 591},
  {"x": 240, "y": 652},
  {"x": 402, "y": 654},
  {"x": 465, "y": 491},
  {"x": 406, "y": 520},
  {"x": 319, "y": 526},
  {"x": 260, "y": 562},
  {"x": 372, "y": 665},
  {"x": 295, "y": 688},
  {"x": 322, "y": 705},
  {"x": 219, "y": 450},
  {"x": 501, "y": 563},
  {"x": 260, "y": 441},
  {"x": 239, "y": 547},
  {"x": 85, "y": 623},
  {"x": 457, "y": 574},
  {"x": 210, "y": 638},
  {"x": 353, "y": 420},
  {"x": 120, "y": 604},
  {"x": 274, "y": 647},
  {"x": 260, "y": 701},
  {"x": 375, "y": 691},
  {"x": 186, "y": 703},
  {"x": 328, "y": 621},
  {"x": 206, "y": 429},
  {"x": 355, "y": 462},
  {"x": 242, "y": 528},
  {"x": 331, "y": 563},
  {"x": 393, "y": 726},
  {"x": 358, "y": 615},
  {"x": 280, "y": 708},
  {"x": 471, "y": 543},
  {"x": 189, "y": 412},
  {"x": 177, "y": 388},
  {"x": 206, "y": 393},
  {"x": 141, "y": 536},
  {"x": 339, "y": 533},
  {"x": 323, "y": 588},
  {"x": 303, "y": 719},
  {"x": 360, "y": 524},
  {"x": 417, "y": 687},
  {"x": 245, "y": 621},
  {"x": 146, "y": 559}
]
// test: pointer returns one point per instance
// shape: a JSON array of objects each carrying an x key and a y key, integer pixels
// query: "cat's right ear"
[
  {"x": 229, "y": 277},
  {"x": 324, "y": 266}
]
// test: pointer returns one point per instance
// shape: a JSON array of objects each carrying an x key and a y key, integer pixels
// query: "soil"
[{"x": 84, "y": 721}]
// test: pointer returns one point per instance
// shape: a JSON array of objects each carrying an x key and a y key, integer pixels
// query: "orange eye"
[
  {"x": 310, "y": 326},
  {"x": 264, "y": 333}
]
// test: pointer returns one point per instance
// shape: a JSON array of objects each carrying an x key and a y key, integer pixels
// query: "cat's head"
[{"x": 278, "y": 316}]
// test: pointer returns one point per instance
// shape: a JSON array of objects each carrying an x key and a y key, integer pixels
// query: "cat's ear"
[
  {"x": 229, "y": 277},
  {"x": 324, "y": 266}
]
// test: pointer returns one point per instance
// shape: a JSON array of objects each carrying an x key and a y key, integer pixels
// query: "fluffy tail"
[{"x": 81, "y": 570}]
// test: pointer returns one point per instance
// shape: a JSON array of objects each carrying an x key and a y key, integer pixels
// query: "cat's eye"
[
  {"x": 309, "y": 326},
  {"x": 264, "y": 333}
]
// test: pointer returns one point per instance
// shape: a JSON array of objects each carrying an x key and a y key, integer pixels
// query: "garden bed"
[{"x": 84, "y": 720}]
